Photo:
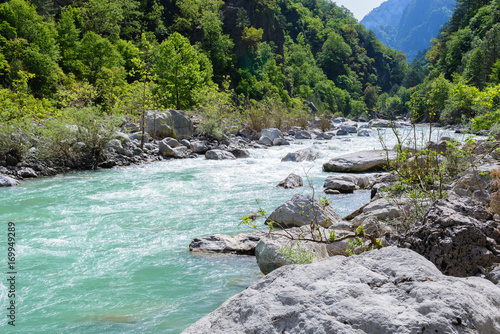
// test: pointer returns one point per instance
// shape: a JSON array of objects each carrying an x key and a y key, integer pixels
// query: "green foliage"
[
  {"x": 18, "y": 104},
  {"x": 76, "y": 139},
  {"x": 278, "y": 53},
  {"x": 297, "y": 254},
  {"x": 422, "y": 172},
  {"x": 181, "y": 71},
  {"x": 252, "y": 36}
]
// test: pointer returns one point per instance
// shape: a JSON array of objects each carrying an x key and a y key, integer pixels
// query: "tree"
[
  {"x": 181, "y": 71},
  {"x": 475, "y": 73},
  {"x": 96, "y": 53},
  {"x": 143, "y": 68}
]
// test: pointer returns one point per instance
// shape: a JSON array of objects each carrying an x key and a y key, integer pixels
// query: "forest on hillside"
[
  {"x": 233, "y": 63},
  {"x": 61, "y": 54}
]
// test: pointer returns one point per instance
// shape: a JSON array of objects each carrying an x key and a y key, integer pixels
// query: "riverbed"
[{"x": 107, "y": 251}]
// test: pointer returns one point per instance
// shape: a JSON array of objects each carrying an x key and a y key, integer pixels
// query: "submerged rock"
[
  {"x": 458, "y": 235},
  {"x": 359, "y": 162},
  {"x": 302, "y": 210},
  {"x": 387, "y": 291},
  {"x": 239, "y": 153}
]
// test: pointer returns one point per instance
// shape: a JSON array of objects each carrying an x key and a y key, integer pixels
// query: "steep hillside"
[
  {"x": 409, "y": 25},
  {"x": 463, "y": 72},
  {"x": 276, "y": 50}
]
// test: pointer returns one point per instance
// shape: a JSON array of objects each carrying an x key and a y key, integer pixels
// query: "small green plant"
[
  {"x": 313, "y": 232},
  {"x": 357, "y": 244},
  {"x": 297, "y": 254}
]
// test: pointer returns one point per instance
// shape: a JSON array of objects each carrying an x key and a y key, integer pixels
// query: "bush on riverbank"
[{"x": 75, "y": 139}]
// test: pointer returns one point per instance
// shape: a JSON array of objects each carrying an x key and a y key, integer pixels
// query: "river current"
[{"x": 107, "y": 251}]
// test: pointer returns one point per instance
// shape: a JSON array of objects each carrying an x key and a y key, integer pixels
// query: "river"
[{"x": 107, "y": 251}]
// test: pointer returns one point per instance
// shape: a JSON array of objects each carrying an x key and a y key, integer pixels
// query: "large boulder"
[
  {"x": 276, "y": 250},
  {"x": 379, "y": 123},
  {"x": 199, "y": 147},
  {"x": 241, "y": 244},
  {"x": 360, "y": 162},
  {"x": 474, "y": 179},
  {"x": 306, "y": 154},
  {"x": 173, "y": 123},
  {"x": 458, "y": 235},
  {"x": 494, "y": 275},
  {"x": 349, "y": 126},
  {"x": 272, "y": 136},
  {"x": 302, "y": 134},
  {"x": 387, "y": 291},
  {"x": 303, "y": 210},
  {"x": 239, "y": 153},
  {"x": 291, "y": 181},
  {"x": 271, "y": 133},
  {"x": 26, "y": 172},
  {"x": 6, "y": 181},
  {"x": 342, "y": 183},
  {"x": 378, "y": 208},
  {"x": 166, "y": 150},
  {"x": 219, "y": 155}
]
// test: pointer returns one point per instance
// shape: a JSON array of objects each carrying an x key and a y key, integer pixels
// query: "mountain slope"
[{"x": 411, "y": 28}]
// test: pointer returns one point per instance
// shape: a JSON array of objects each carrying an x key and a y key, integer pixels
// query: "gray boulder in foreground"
[
  {"x": 6, "y": 181},
  {"x": 387, "y": 291},
  {"x": 303, "y": 210},
  {"x": 360, "y": 162}
]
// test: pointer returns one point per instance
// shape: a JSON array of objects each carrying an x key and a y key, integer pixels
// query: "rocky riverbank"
[
  {"x": 171, "y": 134},
  {"x": 418, "y": 278}
]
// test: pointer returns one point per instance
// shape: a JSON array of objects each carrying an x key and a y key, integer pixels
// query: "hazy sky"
[{"x": 359, "y": 7}]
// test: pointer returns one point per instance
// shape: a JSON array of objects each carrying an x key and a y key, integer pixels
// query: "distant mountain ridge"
[
  {"x": 408, "y": 25},
  {"x": 388, "y": 13}
]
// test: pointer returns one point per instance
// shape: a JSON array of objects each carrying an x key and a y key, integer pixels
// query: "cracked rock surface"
[{"x": 392, "y": 290}]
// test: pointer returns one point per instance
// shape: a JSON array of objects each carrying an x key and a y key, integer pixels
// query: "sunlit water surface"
[{"x": 107, "y": 251}]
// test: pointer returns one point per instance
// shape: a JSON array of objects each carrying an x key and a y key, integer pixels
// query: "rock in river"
[
  {"x": 241, "y": 244},
  {"x": 360, "y": 162},
  {"x": 387, "y": 291},
  {"x": 291, "y": 181},
  {"x": 6, "y": 181},
  {"x": 306, "y": 154},
  {"x": 219, "y": 155},
  {"x": 302, "y": 210}
]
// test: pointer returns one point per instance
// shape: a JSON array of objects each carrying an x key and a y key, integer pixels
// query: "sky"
[{"x": 359, "y": 7}]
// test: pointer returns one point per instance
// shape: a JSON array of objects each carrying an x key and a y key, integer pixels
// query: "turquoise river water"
[{"x": 107, "y": 251}]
